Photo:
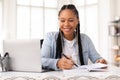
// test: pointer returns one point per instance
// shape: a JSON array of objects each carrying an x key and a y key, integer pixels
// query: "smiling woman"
[{"x": 77, "y": 47}]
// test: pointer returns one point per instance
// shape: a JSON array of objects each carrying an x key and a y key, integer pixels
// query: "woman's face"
[{"x": 68, "y": 22}]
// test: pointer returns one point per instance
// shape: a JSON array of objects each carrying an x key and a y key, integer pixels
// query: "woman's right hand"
[{"x": 64, "y": 63}]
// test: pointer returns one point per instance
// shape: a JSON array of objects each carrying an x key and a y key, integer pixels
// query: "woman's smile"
[{"x": 67, "y": 29}]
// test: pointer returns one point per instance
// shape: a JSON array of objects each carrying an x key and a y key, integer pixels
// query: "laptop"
[{"x": 24, "y": 55}]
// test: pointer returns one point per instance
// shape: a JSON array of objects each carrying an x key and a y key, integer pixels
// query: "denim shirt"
[{"x": 48, "y": 51}]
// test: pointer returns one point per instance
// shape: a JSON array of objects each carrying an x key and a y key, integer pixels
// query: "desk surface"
[{"x": 112, "y": 73}]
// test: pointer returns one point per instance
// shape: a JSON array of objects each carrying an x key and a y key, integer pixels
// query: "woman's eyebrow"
[
  {"x": 60, "y": 18},
  {"x": 64, "y": 18}
]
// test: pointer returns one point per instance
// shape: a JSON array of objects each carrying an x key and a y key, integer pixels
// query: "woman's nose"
[{"x": 66, "y": 23}]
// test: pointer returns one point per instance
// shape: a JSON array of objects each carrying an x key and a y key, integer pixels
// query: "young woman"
[{"x": 63, "y": 49}]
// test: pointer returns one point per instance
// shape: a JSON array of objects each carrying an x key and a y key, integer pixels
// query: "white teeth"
[{"x": 67, "y": 29}]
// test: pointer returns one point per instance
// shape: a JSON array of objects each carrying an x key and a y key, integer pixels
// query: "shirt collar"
[{"x": 68, "y": 41}]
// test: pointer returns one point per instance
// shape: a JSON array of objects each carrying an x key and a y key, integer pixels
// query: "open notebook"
[
  {"x": 94, "y": 67},
  {"x": 24, "y": 54},
  {"x": 97, "y": 67}
]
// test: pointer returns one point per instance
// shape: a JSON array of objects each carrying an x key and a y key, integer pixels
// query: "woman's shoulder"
[
  {"x": 84, "y": 37},
  {"x": 52, "y": 34}
]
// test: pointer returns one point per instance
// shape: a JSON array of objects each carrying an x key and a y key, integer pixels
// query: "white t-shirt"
[{"x": 70, "y": 50}]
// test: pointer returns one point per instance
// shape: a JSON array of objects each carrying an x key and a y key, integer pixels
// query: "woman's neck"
[{"x": 69, "y": 37}]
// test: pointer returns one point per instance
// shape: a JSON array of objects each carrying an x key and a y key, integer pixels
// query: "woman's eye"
[
  {"x": 62, "y": 20},
  {"x": 71, "y": 20}
]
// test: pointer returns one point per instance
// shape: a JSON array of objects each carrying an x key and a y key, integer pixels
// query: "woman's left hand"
[{"x": 103, "y": 61}]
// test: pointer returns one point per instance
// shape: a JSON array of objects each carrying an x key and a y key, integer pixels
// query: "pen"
[{"x": 69, "y": 58}]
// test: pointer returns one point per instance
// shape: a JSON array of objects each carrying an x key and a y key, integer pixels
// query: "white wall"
[
  {"x": 104, "y": 18},
  {"x": 118, "y": 7},
  {"x": 115, "y": 8}
]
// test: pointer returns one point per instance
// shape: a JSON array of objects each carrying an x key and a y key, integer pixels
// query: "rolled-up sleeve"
[{"x": 47, "y": 55}]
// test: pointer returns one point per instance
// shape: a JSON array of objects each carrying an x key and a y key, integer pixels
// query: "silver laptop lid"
[{"x": 24, "y": 54}]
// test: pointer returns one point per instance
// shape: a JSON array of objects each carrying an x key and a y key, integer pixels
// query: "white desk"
[{"x": 112, "y": 74}]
